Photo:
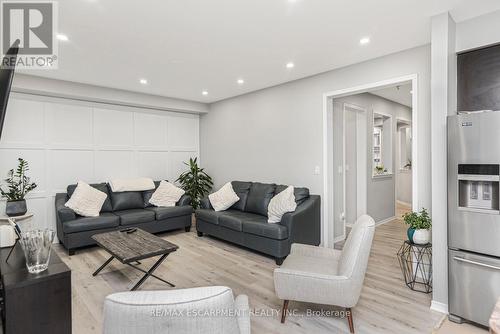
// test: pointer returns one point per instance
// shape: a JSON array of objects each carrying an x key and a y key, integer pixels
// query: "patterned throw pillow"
[
  {"x": 86, "y": 201},
  {"x": 166, "y": 195},
  {"x": 280, "y": 204},
  {"x": 224, "y": 198}
]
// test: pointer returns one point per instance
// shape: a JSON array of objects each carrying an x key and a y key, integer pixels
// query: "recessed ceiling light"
[
  {"x": 290, "y": 65},
  {"x": 143, "y": 81},
  {"x": 204, "y": 92},
  {"x": 62, "y": 37},
  {"x": 240, "y": 81},
  {"x": 364, "y": 40}
]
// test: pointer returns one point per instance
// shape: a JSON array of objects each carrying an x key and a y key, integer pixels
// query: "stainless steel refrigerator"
[{"x": 473, "y": 215}]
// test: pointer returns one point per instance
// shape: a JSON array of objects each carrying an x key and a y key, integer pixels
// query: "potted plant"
[
  {"x": 380, "y": 170},
  {"x": 419, "y": 226},
  {"x": 18, "y": 186},
  {"x": 195, "y": 182}
]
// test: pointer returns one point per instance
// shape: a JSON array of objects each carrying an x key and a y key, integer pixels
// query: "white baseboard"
[
  {"x": 439, "y": 307},
  {"x": 380, "y": 222}
]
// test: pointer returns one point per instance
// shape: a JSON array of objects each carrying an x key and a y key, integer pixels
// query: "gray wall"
[
  {"x": 380, "y": 190},
  {"x": 276, "y": 134}
]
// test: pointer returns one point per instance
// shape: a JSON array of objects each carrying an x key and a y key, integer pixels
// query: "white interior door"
[
  {"x": 350, "y": 165},
  {"x": 356, "y": 162}
]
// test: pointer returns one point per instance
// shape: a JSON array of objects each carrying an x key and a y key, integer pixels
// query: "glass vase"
[{"x": 37, "y": 245}]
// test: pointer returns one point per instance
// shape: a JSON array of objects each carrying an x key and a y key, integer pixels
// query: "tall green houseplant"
[{"x": 195, "y": 182}]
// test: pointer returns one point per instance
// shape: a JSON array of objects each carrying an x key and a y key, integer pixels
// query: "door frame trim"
[{"x": 328, "y": 207}]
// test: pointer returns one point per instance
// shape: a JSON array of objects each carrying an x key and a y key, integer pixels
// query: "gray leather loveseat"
[
  {"x": 245, "y": 223},
  {"x": 120, "y": 210}
]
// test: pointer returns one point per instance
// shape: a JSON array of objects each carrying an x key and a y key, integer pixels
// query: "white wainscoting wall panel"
[{"x": 67, "y": 140}]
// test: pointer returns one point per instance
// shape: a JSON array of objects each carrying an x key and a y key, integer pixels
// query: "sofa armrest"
[
  {"x": 242, "y": 313},
  {"x": 63, "y": 213},
  {"x": 184, "y": 200},
  {"x": 205, "y": 203},
  {"x": 304, "y": 224}
]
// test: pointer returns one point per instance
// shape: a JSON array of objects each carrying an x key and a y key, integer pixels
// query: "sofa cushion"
[
  {"x": 127, "y": 200},
  {"x": 146, "y": 195},
  {"x": 262, "y": 228},
  {"x": 301, "y": 194},
  {"x": 258, "y": 198},
  {"x": 209, "y": 215},
  {"x": 106, "y": 207},
  {"x": 241, "y": 189},
  {"x": 135, "y": 216},
  {"x": 233, "y": 219},
  {"x": 171, "y": 211},
  {"x": 82, "y": 224}
]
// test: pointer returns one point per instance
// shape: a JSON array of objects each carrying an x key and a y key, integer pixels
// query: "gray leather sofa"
[
  {"x": 245, "y": 223},
  {"x": 119, "y": 211}
]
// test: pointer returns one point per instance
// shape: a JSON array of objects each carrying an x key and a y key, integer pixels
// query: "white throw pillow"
[
  {"x": 86, "y": 201},
  {"x": 280, "y": 204},
  {"x": 166, "y": 195},
  {"x": 138, "y": 184},
  {"x": 224, "y": 198}
]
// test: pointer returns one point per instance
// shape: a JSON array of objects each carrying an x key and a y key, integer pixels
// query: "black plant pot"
[{"x": 16, "y": 208}]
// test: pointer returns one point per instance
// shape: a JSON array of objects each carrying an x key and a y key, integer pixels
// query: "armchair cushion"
[
  {"x": 316, "y": 252},
  {"x": 324, "y": 276},
  {"x": 183, "y": 311}
]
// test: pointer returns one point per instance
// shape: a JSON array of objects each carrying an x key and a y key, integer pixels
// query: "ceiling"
[
  {"x": 400, "y": 94},
  {"x": 183, "y": 47}
]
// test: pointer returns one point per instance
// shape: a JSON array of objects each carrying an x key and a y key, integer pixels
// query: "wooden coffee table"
[{"x": 130, "y": 248}]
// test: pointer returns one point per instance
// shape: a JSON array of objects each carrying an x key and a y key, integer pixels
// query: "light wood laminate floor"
[{"x": 386, "y": 304}]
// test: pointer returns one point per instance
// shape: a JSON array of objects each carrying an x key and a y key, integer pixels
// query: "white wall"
[
  {"x": 276, "y": 134},
  {"x": 478, "y": 32},
  {"x": 444, "y": 101},
  {"x": 66, "y": 141}
]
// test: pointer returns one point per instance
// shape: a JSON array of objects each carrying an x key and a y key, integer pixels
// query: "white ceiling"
[
  {"x": 400, "y": 94},
  {"x": 186, "y": 46}
]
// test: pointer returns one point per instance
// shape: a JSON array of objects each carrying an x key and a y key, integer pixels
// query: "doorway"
[{"x": 369, "y": 154}]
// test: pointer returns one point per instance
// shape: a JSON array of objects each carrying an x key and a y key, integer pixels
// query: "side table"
[{"x": 416, "y": 264}]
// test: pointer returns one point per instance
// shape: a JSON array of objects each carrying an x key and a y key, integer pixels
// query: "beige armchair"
[
  {"x": 327, "y": 276},
  {"x": 184, "y": 311}
]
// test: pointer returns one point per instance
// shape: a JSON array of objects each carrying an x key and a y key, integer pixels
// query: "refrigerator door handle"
[{"x": 461, "y": 259}]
